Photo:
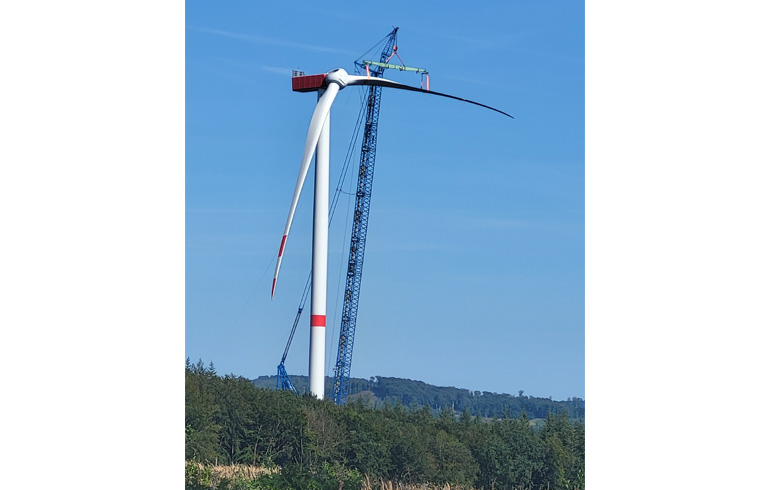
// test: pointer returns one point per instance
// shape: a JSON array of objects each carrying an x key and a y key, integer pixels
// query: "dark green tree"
[{"x": 201, "y": 430}]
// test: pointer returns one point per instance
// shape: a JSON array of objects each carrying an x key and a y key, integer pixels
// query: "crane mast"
[{"x": 360, "y": 224}]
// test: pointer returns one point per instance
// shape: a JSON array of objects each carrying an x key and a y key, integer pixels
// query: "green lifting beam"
[{"x": 395, "y": 67}]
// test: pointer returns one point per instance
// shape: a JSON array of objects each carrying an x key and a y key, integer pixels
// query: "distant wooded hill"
[{"x": 381, "y": 390}]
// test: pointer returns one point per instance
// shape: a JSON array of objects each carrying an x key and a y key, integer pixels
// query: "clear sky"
[{"x": 474, "y": 267}]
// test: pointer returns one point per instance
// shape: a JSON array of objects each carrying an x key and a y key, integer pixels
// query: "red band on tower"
[{"x": 317, "y": 320}]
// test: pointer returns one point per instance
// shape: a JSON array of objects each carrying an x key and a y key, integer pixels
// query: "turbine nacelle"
[{"x": 314, "y": 83}]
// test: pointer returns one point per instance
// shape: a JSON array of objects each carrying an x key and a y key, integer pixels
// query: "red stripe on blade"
[
  {"x": 283, "y": 243},
  {"x": 317, "y": 320}
]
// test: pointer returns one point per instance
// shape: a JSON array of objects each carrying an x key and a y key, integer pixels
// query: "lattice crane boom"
[{"x": 341, "y": 383}]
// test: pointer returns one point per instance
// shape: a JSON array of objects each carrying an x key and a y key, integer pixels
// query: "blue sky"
[{"x": 474, "y": 270}]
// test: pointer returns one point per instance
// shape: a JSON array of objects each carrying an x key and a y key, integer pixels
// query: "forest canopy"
[{"x": 229, "y": 420}]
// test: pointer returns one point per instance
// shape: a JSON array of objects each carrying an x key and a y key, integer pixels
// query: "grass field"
[{"x": 246, "y": 477}]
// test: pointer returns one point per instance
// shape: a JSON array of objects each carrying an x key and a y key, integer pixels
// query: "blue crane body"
[{"x": 354, "y": 273}]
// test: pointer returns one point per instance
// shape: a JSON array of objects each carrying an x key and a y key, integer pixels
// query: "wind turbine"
[{"x": 327, "y": 85}]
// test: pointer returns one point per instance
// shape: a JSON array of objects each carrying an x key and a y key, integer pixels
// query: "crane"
[
  {"x": 283, "y": 382},
  {"x": 341, "y": 384}
]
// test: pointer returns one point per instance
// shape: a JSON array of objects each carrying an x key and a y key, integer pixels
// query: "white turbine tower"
[{"x": 317, "y": 142}]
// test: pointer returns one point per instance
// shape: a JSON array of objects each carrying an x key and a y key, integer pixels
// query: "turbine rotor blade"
[
  {"x": 320, "y": 114},
  {"x": 359, "y": 80}
]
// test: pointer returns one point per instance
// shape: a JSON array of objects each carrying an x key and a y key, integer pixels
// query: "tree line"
[
  {"x": 381, "y": 390},
  {"x": 229, "y": 420}
]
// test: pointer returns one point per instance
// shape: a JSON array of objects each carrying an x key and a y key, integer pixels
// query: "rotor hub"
[{"x": 338, "y": 76}]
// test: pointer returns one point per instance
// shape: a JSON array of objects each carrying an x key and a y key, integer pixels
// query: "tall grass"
[
  {"x": 200, "y": 476},
  {"x": 381, "y": 484}
]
